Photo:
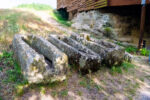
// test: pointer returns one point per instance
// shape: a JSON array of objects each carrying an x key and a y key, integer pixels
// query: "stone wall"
[{"x": 122, "y": 24}]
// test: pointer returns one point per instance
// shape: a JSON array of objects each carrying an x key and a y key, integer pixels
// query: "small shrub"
[
  {"x": 108, "y": 32},
  {"x": 144, "y": 52}
]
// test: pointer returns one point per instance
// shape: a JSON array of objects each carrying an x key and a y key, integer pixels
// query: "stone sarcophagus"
[{"x": 46, "y": 60}]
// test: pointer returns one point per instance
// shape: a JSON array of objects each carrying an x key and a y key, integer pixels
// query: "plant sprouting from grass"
[
  {"x": 125, "y": 66},
  {"x": 144, "y": 52},
  {"x": 131, "y": 49},
  {"x": 64, "y": 93}
]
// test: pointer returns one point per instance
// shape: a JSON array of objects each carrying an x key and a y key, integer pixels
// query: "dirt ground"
[{"x": 133, "y": 84}]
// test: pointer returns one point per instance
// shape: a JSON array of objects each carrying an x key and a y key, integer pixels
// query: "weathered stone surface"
[
  {"x": 93, "y": 21},
  {"x": 35, "y": 67},
  {"x": 111, "y": 53},
  {"x": 59, "y": 59},
  {"x": 128, "y": 57},
  {"x": 77, "y": 53}
]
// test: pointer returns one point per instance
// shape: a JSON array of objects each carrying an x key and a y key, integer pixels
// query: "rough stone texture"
[
  {"x": 77, "y": 54},
  {"x": 35, "y": 67},
  {"x": 128, "y": 57},
  {"x": 124, "y": 26},
  {"x": 59, "y": 59},
  {"x": 92, "y": 21},
  {"x": 111, "y": 53}
]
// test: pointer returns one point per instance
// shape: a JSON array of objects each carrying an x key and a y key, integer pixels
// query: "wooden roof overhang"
[
  {"x": 84, "y": 5},
  {"x": 125, "y": 2}
]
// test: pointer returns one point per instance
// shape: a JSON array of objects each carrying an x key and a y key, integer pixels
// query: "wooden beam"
[{"x": 143, "y": 15}]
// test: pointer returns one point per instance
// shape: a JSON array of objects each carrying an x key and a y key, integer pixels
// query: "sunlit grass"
[
  {"x": 35, "y": 6},
  {"x": 53, "y": 13}
]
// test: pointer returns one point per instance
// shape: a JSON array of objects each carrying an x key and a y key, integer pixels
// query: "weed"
[
  {"x": 120, "y": 44},
  {"x": 35, "y": 6},
  {"x": 116, "y": 70},
  {"x": 79, "y": 93},
  {"x": 43, "y": 90},
  {"x": 125, "y": 66},
  {"x": 54, "y": 93},
  {"x": 108, "y": 32},
  {"x": 1, "y": 98},
  {"x": 131, "y": 49},
  {"x": 130, "y": 97},
  {"x": 83, "y": 83},
  {"x": 64, "y": 93},
  {"x": 144, "y": 52},
  {"x": 20, "y": 90},
  {"x": 98, "y": 87},
  {"x": 24, "y": 28}
]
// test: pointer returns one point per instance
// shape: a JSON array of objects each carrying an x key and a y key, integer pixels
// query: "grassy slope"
[
  {"x": 35, "y": 6},
  {"x": 14, "y": 21},
  {"x": 54, "y": 14}
]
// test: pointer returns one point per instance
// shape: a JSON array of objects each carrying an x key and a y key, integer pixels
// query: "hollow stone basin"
[
  {"x": 40, "y": 61},
  {"x": 84, "y": 58}
]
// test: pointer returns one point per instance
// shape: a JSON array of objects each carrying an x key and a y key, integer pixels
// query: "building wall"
[
  {"x": 81, "y": 5},
  {"x": 84, "y": 5},
  {"x": 125, "y": 2}
]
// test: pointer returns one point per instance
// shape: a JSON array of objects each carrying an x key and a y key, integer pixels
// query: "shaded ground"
[{"x": 106, "y": 84}]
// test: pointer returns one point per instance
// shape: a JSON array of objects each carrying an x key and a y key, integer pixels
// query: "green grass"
[
  {"x": 54, "y": 93},
  {"x": 35, "y": 6},
  {"x": 144, "y": 52},
  {"x": 10, "y": 25},
  {"x": 108, "y": 31},
  {"x": 124, "y": 67},
  {"x": 131, "y": 49},
  {"x": 64, "y": 93},
  {"x": 14, "y": 74},
  {"x": 56, "y": 15},
  {"x": 79, "y": 93}
]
